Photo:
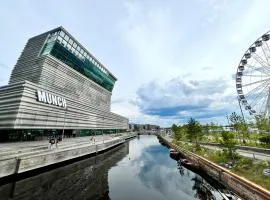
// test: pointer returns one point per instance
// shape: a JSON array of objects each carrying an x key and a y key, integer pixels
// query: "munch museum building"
[{"x": 57, "y": 87}]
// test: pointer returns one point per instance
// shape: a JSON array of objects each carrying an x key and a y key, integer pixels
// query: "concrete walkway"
[
  {"x": 248, "y": 154},
  {"x": 20, "y": 157},
  {"x": 17, "y": 149}
]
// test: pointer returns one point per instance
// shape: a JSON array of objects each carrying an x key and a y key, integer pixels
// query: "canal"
[{"x": 139, "y": 169}]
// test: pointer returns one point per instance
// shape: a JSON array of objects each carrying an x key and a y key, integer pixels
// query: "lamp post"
[
  {"x": 64, "y": 125},
  {"x": 102, "y": 130}
]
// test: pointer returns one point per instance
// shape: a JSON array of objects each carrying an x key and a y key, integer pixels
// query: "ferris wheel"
[{"x": 253, "y": 78}]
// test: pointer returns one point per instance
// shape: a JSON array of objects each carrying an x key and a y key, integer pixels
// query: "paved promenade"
[
  {"x": 245, "y": 153},
  {"x": 18, "y": 157},
  {"x": 17, "y": 149}
]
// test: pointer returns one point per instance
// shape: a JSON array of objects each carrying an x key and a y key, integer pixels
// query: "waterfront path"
[
  {"x": 23, "y": 144},
  {"x": 245, "y": 153},
  {"x": 15, "y": 149},
  {"x": 18, "y": 157}
]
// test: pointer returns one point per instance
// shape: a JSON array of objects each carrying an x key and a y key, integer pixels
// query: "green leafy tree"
[
  {"x": 263, "y": 124},
  {"x": 228, "y": 141},
  {"x": 239, "y": 125},
  {"x": 194, "y": 130},
  {"x": 215, "y": 128},
  {"x": 174, "y": 128},
  {"x": 178, "y": 132},
  {"x": 215, "y": 131},
  {"x": 206, "y": 128},
  {"x": 175, "y": 132},
  {"x": 265, "y": 139}
]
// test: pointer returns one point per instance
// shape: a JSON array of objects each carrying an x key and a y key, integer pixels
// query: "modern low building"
[
  {"x": 57, "y": 87},
  {"x": 140, "y": 127}
]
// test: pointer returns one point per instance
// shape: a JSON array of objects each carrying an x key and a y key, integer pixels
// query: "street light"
[
  {"x": 102, "y": 130},
  {"x": 102, "y": 137},
  {"x": 64, "y": 124}
]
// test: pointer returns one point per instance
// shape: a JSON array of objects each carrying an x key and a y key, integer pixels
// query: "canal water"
[{"x": 139, "y": 169}]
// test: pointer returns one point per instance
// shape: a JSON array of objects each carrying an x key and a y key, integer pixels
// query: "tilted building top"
[{"x": 63, "y": 46}]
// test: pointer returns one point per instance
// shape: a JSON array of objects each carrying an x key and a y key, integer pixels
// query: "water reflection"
[
  {"x": 151, "y": 174},
  {"x": 202, "y": 188}
]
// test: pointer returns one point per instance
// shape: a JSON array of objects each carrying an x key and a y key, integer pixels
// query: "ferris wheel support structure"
[
  {"x": 241, "y": 109},
  {"x": 267, "y": 108}
]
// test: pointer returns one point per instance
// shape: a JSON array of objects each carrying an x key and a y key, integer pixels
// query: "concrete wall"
[{"x": 8, "y": 167}]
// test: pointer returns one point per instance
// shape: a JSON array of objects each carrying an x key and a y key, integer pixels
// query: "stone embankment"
[
  {"x": 16, "y": 158},
  {"x": 239, "y": 185}
]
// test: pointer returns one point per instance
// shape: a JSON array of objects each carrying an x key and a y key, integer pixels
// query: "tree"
[
  {"x": 206, "y": 128},
  {"x": 239, "y": 125},
  {"x": 194, "y": 130},
  {"x": 175, "y": 132},
  {"x": 265, "y": 139},
  {"x": 228, "y": 141},
  {"x": 262, "y": 124},
  {"x": 178, "y": 132},
  {"x": 215, "y": 131},
  {"x": 215, "y": 128},
  {"x": 174, "y": 128}
]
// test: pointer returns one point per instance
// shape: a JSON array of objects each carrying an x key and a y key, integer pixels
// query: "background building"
[
  {"x": 57, "y": 87},
  {"x": 141, "y": 127}
]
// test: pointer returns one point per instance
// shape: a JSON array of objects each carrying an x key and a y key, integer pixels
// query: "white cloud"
[{"x": 152, "y": 37}]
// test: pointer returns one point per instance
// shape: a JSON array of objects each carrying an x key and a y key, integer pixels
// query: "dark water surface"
[{"x": 139, "y": 169}]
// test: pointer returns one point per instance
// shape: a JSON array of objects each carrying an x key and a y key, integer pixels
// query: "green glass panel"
[{"x": 80, "y": 64}]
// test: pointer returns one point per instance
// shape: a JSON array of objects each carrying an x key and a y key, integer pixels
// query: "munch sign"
[{"x": 48, "y": 98}]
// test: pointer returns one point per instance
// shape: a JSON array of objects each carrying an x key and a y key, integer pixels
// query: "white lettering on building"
[{"x": 51, "y": 99}]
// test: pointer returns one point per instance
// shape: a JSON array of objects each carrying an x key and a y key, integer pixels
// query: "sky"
[{"x": 174, "y": 59}]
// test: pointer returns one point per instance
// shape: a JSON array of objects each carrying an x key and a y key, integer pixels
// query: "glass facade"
[
  {"x": 88, "y": 132},
  {"x": 63, "y": 47},
  {"x": 43, "y": 134}
]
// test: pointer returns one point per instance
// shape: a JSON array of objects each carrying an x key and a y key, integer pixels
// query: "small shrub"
[{"x": 265, "y": 139}]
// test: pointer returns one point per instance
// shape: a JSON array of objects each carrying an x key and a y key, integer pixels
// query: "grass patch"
[{"x": 252, "y": 171}]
